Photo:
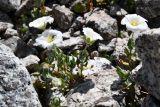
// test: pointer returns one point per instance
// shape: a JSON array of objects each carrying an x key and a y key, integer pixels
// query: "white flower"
[
  {"x": 91, "y": 36},
  {"x": 134, "y": 23},
  {"x": 41, "y": 22},
  {"x": 49, "y": 38}
]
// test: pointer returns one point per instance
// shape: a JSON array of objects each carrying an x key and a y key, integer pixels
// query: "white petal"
[
  {"x": 124, "y": 21},
  {"x": 41, "y": 40},
  {"x": 89, "y": 33},
  {"x": 41, "y": 22},
  {"x": 141, "y": 19},
  {"x": 143, "y": 26},
  {"x": 127, "y": 20},
  {"x": 132, "y": 16}
]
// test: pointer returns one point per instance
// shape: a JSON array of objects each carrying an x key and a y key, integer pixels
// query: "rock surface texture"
[
  {"x": 98, "y": 90},
  {"x": 148, "y": 8},
  {"x": 150, "y": 101},
  {"x": 9, "y": 5},
  {"x": 5, "y": 21},
  {"x": 116, "y": 46},
  {"x": 66, "y": 44},
  {"x": 104, "y": 24},
  {"x": 63, "y": 16},
  {"x": 16, "y": 89},
  {"x": 148, "y": 48}
]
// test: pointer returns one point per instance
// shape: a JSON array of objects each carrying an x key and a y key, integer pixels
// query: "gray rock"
[
  {"x": 77, "y": 33},
  {"x": 16, "y": 88},
  {"x": 30, "y": 60},
  {"x": 5, "y": 25},
  {"x": 116, "y": 10},
  {"x": 5, "y": 22},
  {"x": 19, "y": 47},
  {"x": 63, "y": 16},
  {"x": 97, "y": 90},
  {"x": 9, "y": 5},
  {"x": 10, "y": 32},
  {"x": 107, "y": 46},
  {"x": 148, "y": 8},
  {"x": 134, "y": 72},
  {"x": 150, "y": 101},
  {"x": 148, "y": 48},
  {"x": 11, "y": 42},
  {"x": 66, "y": 44},
  {"x": 4, "y": 17},
  {"x": 117, "y": 46},
  {"x": 66, "y": 35},
  {"x": 96, "y": 65},
  {"x": 94, "y": 54},
  {"x": 121, "y": 12},
  {"x": 25, "y": 6},
  {"x": 78, "y": 23},
  {"x": 119, "y": 51},
  {"x": 100, "y": 21}
]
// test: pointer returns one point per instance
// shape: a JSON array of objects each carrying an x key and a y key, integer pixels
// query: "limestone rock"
[
  {"x": 66, "y": 44},
  {"x": 101, "y": 22},
  {"x": 120, "y": 45},
  {"x": 116, "y": 46},
  {"x": 63, "y": 16},
  {"x": 66, "y": 35},
  {"x": 19, "y": 47},
  {"x": 5, "y": 21},
  {"x": 30, "y": 60},
  {"x": 148, "y": 8},
  {"x": 16, "y": 89},
  {"x": 10, "y": 32},
  {"x": 11, "y": 42},
  {"x": 98, "y": 89},
  {"x": 150, "y": 101},
  {"x": 116, "y": 10},
  {"x": 25, "y": 5},
  {"x": 78, "y": 23},
  {"x": 148, "y": 48},
  {"x": 9, "y": 5},
  {"x": 96, "y": 65}
]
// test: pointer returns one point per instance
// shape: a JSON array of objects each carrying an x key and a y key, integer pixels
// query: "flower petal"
[
  {"x": 124, "y": 21},
  {"x": 41, "y": 40},
  {"x": 134, "y": 23},
  {"x": 41, "y": 22},
  {"x": 143, "y": 26},
  {"x": 89, "y": 33}
]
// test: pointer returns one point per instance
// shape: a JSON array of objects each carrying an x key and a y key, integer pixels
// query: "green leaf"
[
  {"x": 131, "y": 44},
  {"x": 122, "y": 74},
  {"x": 127, "y": 52}
]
